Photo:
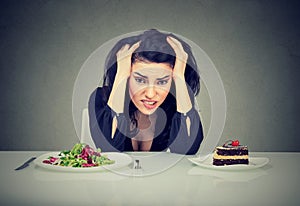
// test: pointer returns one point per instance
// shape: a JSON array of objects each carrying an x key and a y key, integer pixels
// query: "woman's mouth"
[{"x": 149, "y": 104}]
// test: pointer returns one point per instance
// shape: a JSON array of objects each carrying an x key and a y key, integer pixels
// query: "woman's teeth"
[{"x": 150, "y": 103}]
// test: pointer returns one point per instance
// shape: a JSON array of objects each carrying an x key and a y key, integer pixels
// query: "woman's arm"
[
  {"x": 107, "y": 121},
  {"x": 101, "y": 116},
  {"x": 184, "y": 103},
  {"x": 181, "y": 140},
  {"x": 117, "y": 95},
  {"x": 186, "y": 132}
]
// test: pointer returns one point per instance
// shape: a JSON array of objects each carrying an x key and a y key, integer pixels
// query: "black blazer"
[{"x": 172, "y": 133}]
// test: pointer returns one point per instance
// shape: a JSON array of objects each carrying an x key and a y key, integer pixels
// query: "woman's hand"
[
  {"x": 181, "y": 57},
  {"x": 124, "y": 59}
]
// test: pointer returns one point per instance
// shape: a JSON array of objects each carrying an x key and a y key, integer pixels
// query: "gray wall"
[{"x": 254, "y": 45}]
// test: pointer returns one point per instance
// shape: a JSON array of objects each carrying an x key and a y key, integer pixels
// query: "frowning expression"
[{"x": 149, "y": 85}]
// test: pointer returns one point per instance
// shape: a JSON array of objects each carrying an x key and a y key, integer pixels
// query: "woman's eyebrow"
[
  {"x": 141, "y": 75},
  {"x": 162, "y": 78}
]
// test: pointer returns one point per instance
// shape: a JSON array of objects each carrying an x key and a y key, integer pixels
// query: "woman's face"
[{"x": 149, "y": 85}]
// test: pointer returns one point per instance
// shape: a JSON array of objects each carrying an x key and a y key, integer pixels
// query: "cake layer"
[
  {"x": 216, "y": 156},
  {"x": 221, "y": 162},
  {"x": 231, "y": 151}
]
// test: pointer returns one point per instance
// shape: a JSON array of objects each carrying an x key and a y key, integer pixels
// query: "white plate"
[
  {"x": 254, "y": 162},
  {"x": 121, "y": 160}
]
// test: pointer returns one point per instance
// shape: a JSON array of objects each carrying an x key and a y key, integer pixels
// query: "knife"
[{"x": 25, "y": 164}]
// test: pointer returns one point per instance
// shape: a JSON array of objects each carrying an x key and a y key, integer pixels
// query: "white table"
[{"x": 183, "y": 184}]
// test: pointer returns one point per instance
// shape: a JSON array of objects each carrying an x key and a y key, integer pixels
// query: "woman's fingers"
[
  {"x": 134, "y": 46},
  {"x": 123, "y": 49},
  {"x": 126, "y": 50},
  {"x": 178, "y": 48},
  {"x": 175, "y": 44},
  {"x": 124, "y": 58}
]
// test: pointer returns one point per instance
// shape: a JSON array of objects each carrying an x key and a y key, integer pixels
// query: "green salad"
[{"x": 81, "y": 155}]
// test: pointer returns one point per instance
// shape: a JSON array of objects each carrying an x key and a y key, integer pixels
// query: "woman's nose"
[{"x": 150, "y": 92}]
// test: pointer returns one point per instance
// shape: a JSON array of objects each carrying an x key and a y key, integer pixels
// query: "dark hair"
[{"x": 153, "y": 48}]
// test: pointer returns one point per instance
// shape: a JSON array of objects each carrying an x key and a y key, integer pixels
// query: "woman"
[{"x": 146, "y": 102}]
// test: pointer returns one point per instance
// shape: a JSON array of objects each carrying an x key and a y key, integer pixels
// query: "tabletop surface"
[{"x": 164, "y": 179}]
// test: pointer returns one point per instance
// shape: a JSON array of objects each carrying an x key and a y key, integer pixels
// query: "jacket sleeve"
[
  {"x": 186, "y": 138},
  {"x": 101, "y": 119}
]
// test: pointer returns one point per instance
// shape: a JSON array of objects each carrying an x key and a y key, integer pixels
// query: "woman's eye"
[
  {"x": 162, "y": 82},
  {"x": 140, "y": 80}
]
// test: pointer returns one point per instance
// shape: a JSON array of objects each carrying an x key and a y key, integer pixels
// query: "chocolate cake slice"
[{"x": 230, "y": 154}]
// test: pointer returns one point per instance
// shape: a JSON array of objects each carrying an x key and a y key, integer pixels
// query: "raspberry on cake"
[{"x": 230, "y": 153}]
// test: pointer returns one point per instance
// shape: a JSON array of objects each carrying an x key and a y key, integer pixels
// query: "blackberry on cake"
[{"x": 231, "y": 153}]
